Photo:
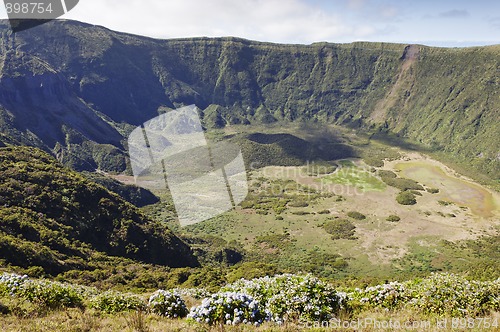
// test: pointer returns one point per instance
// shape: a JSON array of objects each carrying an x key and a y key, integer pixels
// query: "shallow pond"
[{"x": 480, "y": 201}]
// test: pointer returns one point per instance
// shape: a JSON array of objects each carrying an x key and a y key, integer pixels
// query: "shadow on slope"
[{"x": 260, "y": 150}]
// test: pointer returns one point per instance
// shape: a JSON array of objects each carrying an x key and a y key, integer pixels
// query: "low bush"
[
  {"x": 113, "y": 302},
  {"x": 247, "y": 204},
  {"x": 401, "y": 183},
  {"x": 300, "y": 213},
  {"x": 230, "y": 308},
  {"x": 10, "y": 284},
  {"x": 356, "y": 215},
  {"x": 373, "y": 161},
  {"x": 51, "y": 294},
  {"x": 387, "y": 174},
  {"x": 450, "y": 294},
  {"x": 393, "y": 217},
  {"x": 387, "y": 296},
  {"x": 168, "y": 304},
  {"x": 406, "y": 198},
  {"x": 45, "y": 293},
  {"x": 340, "y": 229}
]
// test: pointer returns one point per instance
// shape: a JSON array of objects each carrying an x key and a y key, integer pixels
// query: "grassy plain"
[{"x": 272, "y": 225}]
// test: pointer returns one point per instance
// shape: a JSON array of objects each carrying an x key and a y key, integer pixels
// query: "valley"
[
  {"x": 373, "y": 173},
  {"x": 283, "y": 219}
]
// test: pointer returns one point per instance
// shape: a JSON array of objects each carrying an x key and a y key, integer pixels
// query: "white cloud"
[
  {"x": 270, "y": 20},
  {"x": 293, "y": 21}
]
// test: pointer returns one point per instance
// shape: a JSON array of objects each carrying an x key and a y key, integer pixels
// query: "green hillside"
[{"x": 56, "y": 219}]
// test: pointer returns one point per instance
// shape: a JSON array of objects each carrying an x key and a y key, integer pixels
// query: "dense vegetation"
[
  {"x": 288, "y": 299},
  {"x": 56, "y": 219},
  {"x": 137, "y": 196},
  {"x": 340, "y": 229},
  {"x": 406, "y": 198}
]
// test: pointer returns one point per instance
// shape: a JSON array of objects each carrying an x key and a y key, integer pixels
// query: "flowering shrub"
[
  {"x": 450, "y": 294},
  {"x": 229, "y": 308},
  {"x": 10, "y": 283},
  {"x": 388, "y": 296},
  {"x": 46, "y": 293},
  {"x": 168, "y": 304},
  {"x": 291, "y": 297},
  {"x": 195, "y": 293},
  {"x": 112, "y": 302},
  {"x": 51, "y": 294},
  {"x": 278, "y": 299},
  {"x": 495, "y": 296}
]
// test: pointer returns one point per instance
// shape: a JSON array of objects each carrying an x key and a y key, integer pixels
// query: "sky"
[{"x": 436, "y": 23}]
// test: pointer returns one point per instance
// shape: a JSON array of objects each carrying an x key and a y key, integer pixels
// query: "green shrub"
[
  {"x": 301, "y": 213},
  {"x": 35, "y": 271},
  {"x": 406, "y": 198},
  {"x": 356, "y": 215},
  {"x": 340, "y": 229},
  {"x": 449, "y": 294},
  {"x": 247, "y": 204},
  {"x": 51, "y": 294},
  {"x": 373, "y": 161},
  {"x": 393, "y": 217},
  {"x": 433, "y": 190},
  {"x": 113, "y": 302},
  {"x": 279, "y": 218},
  {"x": 324, "y": 212},
  {"x": 387, "y": 174},
  {"x": 444, "y": 203},
  {"x": 402, "y": 184},
  {"x": 279, "y": 209}
]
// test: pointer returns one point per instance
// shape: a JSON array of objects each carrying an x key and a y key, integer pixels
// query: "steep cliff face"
[
  {"x": 41, "y": 109},
  {"x": 446, "y": 99}
]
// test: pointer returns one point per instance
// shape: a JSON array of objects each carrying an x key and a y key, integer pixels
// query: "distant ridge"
[{"x": 77, "y": 90}]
